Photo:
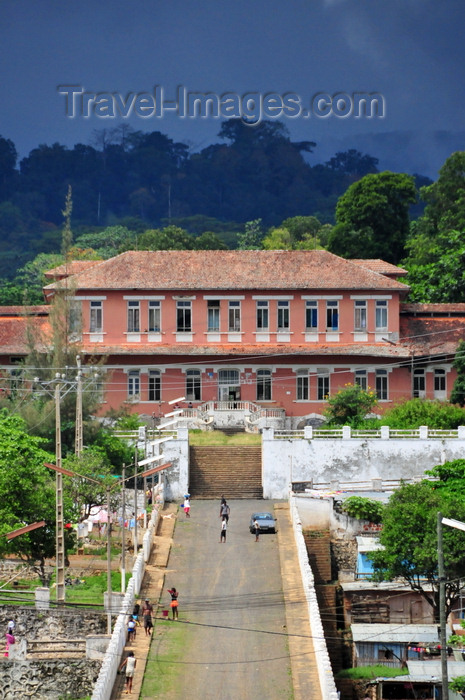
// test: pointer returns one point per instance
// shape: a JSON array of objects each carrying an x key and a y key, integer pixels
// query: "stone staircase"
[{"x": 232, "y": 470}]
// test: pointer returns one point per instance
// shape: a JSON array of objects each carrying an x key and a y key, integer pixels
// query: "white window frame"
[
  {"x": 184, "y": 313},
  {"x": 332, "y": 310},
  {"x": 234, "y": 317},
  {"x": 133, "y": 316},
  {"x": 193, "y": 385},
  {"x": 360, "y": 315},
  {"x": 382, "y": 384},
  {"x": 302, "y": 386},
  {"x": 154, "y": 316},
  {"x": 283, "y": 316},
  {"x": 133, "y": 383},
  {"x": 264, "y": 385},
  {"x": 154, "y": 385},
  {"x": 311, "y": 313},
  {"x": 96, "y": 317},
  {"x": 361, "y": 379},
  {"x": 213, "y": 315},
  {"x": 262, "y": 316},
  {"x": 381, "y": 315},
  {"x": 418, "y": 383},
  {"x": 322, "y": 385}
]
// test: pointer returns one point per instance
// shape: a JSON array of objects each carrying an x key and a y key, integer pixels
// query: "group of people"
[
  {"x": 129, "y": 662},
  {"x": 224, "y": 515}
]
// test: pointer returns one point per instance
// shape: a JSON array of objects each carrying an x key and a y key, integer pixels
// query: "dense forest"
[{"x": 254, "y": 189}]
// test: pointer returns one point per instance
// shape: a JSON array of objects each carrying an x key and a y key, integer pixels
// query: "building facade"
[{"x": 282, "y": 329}]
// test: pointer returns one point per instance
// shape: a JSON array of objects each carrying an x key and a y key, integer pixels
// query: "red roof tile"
[
  {"x": 381, "y": 266},
  {"x": 232, "y": 269}
]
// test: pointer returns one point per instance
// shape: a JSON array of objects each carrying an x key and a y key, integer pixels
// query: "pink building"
[{"x": 282, "y": 329}]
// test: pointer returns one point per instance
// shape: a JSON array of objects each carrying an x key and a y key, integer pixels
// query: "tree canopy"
[
  {"x": 373, "y": 217},
  {"x": 27, "y": 494},
  {"x": 409, "y": 535}
]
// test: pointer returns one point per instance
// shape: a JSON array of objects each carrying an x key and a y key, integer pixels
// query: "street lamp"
[{"x": 442, "y": 599}]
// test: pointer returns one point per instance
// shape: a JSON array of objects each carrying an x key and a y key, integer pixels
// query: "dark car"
[{"x": 267, "y": 522}]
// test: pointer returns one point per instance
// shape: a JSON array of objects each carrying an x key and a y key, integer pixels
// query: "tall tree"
[
  {"x": 27, "y": 495},
  {"x": 376, "y": 208},
  {"x": 409, "y": 536}
]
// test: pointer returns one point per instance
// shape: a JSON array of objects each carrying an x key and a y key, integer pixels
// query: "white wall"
[{"x": 355, "y": 459}]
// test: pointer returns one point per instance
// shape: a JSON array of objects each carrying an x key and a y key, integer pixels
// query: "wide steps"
[{"x": 231, "y": 470}]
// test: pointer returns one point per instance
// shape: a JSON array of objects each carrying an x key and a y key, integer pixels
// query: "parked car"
[{"x": 267, "y": 522}]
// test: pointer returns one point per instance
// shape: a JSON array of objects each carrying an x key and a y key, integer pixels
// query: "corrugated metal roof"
[{"x": 384, "y": 633}]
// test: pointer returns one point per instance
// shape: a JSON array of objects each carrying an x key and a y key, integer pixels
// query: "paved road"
[{"x": 231, "y": 596}]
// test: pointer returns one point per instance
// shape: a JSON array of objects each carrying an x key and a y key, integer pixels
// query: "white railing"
[{"x": 383, "y": 433}]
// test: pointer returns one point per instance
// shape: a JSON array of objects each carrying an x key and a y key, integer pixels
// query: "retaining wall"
[
  {"x": 351, "y": 459},
  {"x": 325, "y": 673}
]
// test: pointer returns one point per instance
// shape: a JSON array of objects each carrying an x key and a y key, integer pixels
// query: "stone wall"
[
  {"x": 52, "y": 624},
  {"x": 47, "y": 679}
]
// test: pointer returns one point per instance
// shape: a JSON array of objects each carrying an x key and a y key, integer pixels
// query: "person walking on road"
[
  {"x": 174, "y": 602},
  {"x": 147, "y": 610},
  {"x": 256, "y": 528},
  {"x": 224, "y": 510},
  {"x": 187, "y": 506},
  {"x": 224, "y": 525},
  {"x": 130, "y": 663}
]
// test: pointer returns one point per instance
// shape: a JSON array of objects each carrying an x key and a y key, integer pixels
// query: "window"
[
  {"x": 213, "y": 315},
  {"x": 234, "y": 316},
  {"x": 264, "y": 385},
  {"x": 419, "y": 385},
  {"x": 262, "y": 315},
  {"x": 133, "y": 317},
  {"x": 95, "y": 316},
  {"x": 134, "y": 383},
  {"x": 302, "y": 386},
  {"x": 154, "y": 385},
  {"x": 439, "y": 381},
  {"x": 154, "y": 317},
  {"x": 184, "y": 316},
  {"x": 74, "y": 317},
  {"x": 322, "y": 385},
  {"x": 360, "y": 320},
  {"x": 283, "y": 315},
  {"x": 193, "y": 385},
  {"x": 332, "y": 315},
  {"x": 381, "y": 384},
  {"x": 311, "y": 315},
  {"x": 361, "y": 379},
  {"x": 381, "y": 316}
]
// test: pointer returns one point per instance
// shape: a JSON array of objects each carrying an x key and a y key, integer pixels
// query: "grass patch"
[
  {"x": 370, "y": 672},
  {"x": 217, "y": 437},
  {"x": 162, "y": 673},
  {"x": 89, "y": 592}
]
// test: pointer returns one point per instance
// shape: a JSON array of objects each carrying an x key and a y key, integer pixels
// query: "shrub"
[
  {"x": 363, "y": 508},
  {"x": 350, "y": 405},
  {"x": 416, "y": 412}
]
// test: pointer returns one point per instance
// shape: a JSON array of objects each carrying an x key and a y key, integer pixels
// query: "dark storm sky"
[{"x": 410, "y": 51}]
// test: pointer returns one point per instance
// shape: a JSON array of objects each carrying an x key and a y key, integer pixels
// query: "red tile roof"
[
  {"x": 232, "y": 269},
  {"x": 71, "y": 268},
  {"x": 251, "y": 351},
  {"x": 381, "y": 266}
]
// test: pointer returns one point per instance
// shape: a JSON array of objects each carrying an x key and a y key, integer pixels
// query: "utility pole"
[
  {"x": 136, "y": 534},
  {"x": 442, "y": 612},
  {"x": 123, "y": 536},
  {"x": 109, "y": 589},
  {"x": 60, "y": 533},
  {"x": 79, "y": 437}
]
